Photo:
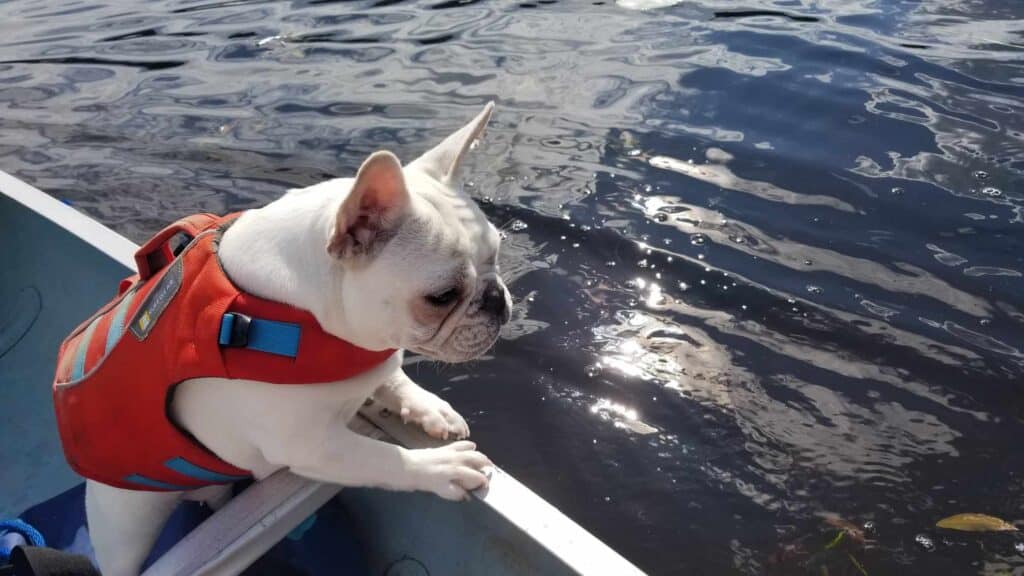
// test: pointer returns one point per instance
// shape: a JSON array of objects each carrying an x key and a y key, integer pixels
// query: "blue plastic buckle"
[
  {"x": 234, "y": 330},
  {"x": 241, "y": 331}
]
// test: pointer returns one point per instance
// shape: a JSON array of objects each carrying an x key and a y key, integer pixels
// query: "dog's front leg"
[
  {"x": 338, "y": 455},
  {"x": 414, "y": 404},
  {"x": 124, "y": 524}
]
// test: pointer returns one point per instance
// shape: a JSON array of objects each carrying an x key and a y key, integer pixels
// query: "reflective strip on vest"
[
  {"x": 117, "y": 325},
  {"x": 83, "y": 346}
]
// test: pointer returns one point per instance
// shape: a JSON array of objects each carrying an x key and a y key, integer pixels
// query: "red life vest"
[{"x": 179, "y": 318}]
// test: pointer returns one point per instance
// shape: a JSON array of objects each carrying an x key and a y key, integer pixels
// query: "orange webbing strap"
[{"x": 156, "y": 253}]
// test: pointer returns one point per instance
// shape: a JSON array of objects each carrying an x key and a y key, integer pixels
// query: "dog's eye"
[{"x": 444, "y": 298}]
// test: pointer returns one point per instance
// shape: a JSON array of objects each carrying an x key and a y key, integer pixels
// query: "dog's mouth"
[
  {"x": 463, "y": 342},
  {"x": 472, "y": 341}
]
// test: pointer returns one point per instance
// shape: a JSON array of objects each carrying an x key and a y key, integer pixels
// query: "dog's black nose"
[{"x": 494, "y": 302}]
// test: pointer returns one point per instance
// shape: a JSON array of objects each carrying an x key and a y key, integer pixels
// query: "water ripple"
[{"x": 766, "y": 259}]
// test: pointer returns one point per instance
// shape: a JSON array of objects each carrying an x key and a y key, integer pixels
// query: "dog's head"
[{"x": 418, "y": 260}]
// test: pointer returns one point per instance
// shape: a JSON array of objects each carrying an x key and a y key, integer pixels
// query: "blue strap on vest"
[
  {"x": 241, "y": 331},
  {"x": 186, "y": 468}
]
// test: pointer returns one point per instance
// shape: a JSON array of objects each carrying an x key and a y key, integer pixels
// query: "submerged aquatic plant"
[{"x": 969, "y": 522}]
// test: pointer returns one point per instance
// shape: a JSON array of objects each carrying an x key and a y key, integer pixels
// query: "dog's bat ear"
[
  {"x": 369, "y": 215},
  {"x": 443, "y": 161}
]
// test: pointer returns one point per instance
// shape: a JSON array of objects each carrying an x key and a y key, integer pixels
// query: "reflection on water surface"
[{"x": 767, "y": 258}]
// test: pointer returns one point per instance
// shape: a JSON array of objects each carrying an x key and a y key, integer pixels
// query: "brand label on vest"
[{"x": 157, "y": 300}]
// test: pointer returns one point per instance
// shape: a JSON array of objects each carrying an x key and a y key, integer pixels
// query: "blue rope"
[{"x": 32, "y": 536}]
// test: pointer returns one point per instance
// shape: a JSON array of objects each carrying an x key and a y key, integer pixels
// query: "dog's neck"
[{"x": 278, "y": 252}]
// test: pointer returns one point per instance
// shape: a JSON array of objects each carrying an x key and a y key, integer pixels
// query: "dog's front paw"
[
  {"x": 451, "y": 471},
  {"x": 434, "y": 415}
]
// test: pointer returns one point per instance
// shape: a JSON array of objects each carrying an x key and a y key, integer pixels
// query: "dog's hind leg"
[{"x": 124, "y": 525}]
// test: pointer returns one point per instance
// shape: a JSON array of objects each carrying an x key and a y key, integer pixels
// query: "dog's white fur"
[{"x": 365, "y": 256}]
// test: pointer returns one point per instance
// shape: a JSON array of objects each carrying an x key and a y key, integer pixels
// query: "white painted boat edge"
[
  {"x": 245, "y": 528},
  {"x": 249, "y": 524},
  {"x": 546, "y": 524},
  {"x": 567, "y": 540},
  {"x": 104, "y": 239}
]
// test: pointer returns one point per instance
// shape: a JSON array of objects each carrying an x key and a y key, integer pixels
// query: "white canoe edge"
[
  {"x": 256, "y": 519},
  {"x": 104, "y": 239}
]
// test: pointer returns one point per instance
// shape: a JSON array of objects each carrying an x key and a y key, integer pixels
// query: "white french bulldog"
[{"x": 394, "y": 258}]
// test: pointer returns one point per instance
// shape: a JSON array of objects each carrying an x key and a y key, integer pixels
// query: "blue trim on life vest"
[
  {"x": 142, "y": 480},
  {"x": 117, "y": 324},
  {"x": 83, "y": 347},
  {"x": 186, "y": 468},
  {"x": 281, "y": 338}
]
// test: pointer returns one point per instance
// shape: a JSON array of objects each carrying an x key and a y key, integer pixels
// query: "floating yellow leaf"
[{"x": 976, "y": 523}]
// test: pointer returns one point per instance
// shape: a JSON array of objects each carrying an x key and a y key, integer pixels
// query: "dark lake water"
[{"x": 767, "y": 256}]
